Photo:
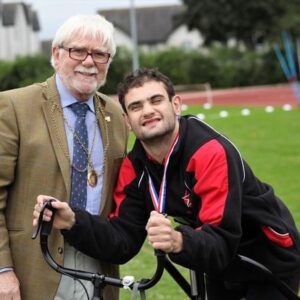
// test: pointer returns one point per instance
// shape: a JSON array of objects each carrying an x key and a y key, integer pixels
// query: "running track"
[{"x": 276, "y": 95}]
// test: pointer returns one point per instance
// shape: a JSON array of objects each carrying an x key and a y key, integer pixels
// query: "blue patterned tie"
[{"x": 80, "y": 161}]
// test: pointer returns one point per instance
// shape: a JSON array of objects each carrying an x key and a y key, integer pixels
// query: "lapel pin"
[{"x": 107, "y": 118}]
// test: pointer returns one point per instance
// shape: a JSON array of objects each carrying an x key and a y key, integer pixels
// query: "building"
[
  {"x": 156, "y": 28},
  {"x": 19, "y": 28}
]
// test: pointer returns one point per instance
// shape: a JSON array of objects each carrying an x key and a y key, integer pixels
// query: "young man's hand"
[
  {"x": 162, "y": 235},
  {"x": 64, "y": 216}
]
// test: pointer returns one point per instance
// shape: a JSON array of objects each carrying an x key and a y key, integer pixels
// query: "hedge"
[{"x": 222, "y": 67}]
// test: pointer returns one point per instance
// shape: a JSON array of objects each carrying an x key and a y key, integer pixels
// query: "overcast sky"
[{"x": 52, "y": 13}]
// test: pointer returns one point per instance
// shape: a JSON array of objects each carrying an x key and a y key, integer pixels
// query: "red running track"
[{"x": 275, "y": 95}]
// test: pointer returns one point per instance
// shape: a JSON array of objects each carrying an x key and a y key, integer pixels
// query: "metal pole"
[{"x": 135, "y": 54}]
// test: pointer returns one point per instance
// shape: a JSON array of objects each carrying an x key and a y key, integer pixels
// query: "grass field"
[{"x": 270, "y": 143}]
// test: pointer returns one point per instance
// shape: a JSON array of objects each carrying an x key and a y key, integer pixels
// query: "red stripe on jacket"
[
  {"x": 209, "y": 165},
  {"x": 282, "y": 239},
  {"x": 126, "y": 176}
]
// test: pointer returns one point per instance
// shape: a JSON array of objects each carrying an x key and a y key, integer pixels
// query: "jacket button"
[{"x": 60, "y": 250}]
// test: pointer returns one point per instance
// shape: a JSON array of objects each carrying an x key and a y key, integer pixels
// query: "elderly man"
[{"x": 60, "y": 137}]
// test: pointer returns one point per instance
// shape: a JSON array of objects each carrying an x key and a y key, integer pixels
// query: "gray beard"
[{"x": 101, "y": 83}]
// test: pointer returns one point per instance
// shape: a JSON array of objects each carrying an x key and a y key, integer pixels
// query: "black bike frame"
[{"x": 100, "y": 280}]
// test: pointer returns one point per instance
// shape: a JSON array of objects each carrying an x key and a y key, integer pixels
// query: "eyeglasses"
[{"x": 81, "y": 54}]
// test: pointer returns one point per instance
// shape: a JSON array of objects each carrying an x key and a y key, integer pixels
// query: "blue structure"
[{"x": 288, "y": 62}]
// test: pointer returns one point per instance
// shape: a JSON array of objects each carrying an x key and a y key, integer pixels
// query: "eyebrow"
[
  {"x": 143, "y": 100},
  {"x": 85, "y": 48}
]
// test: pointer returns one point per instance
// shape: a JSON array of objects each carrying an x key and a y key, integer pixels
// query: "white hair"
[{"x": 92, "y": 26}]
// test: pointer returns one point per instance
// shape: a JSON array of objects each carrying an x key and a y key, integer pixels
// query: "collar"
[{"x": 66, "y": 98}]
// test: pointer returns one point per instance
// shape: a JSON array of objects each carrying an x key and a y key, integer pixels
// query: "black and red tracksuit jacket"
[{"x": 223, "y": 208}]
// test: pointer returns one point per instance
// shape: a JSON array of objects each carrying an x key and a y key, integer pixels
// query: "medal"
[
  {"x": 92, "y": 177},
  {"x": 159, "y": 200}
]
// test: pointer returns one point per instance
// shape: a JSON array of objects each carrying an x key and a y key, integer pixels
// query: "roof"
[
  {"x": 154, "y": 24},
  {"x": 9, "y": 15}
]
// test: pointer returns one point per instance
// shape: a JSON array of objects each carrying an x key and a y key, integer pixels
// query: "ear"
[
  {"x": 55, "y": 56},
  {"x": 177, "y": 103}
]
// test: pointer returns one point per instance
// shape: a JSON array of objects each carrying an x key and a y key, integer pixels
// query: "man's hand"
[
  {"x": 161, "y": 234},
  {"x": 9, "y": 286},
  {"x": 64, "y": 216}
]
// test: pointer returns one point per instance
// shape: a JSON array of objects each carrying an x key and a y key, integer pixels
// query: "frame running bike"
[{"x": 100, "y": 281}]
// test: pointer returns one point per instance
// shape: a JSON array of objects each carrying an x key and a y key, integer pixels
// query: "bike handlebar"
[{"x": 45, "y": 230}]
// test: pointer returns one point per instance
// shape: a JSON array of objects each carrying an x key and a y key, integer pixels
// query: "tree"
[
  {"x": 250, "y": 22},
  {"x": 290, "y": 22}
]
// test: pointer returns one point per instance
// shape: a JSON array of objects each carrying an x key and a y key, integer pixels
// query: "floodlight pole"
[{"x": 135, "y": 54}]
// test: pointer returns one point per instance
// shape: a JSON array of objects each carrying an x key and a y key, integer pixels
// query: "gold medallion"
[{"x": 92, "y": 178}]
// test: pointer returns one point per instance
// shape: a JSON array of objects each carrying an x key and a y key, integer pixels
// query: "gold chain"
[
  {"x": 88, "y": 154},
  {"x": 106, "y": 119},
  {"x": 99, "y": 111}
]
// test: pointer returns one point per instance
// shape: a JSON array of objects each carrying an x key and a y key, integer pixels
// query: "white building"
[
  {"x": 19, "y": 27},
  {"x": 156, "y": 28}
]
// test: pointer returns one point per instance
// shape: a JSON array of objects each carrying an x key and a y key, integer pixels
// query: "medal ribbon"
[{"x": 159, "y": 201}]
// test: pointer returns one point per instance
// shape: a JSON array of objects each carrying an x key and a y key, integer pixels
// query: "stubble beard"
[{"x": 158, "y": 137}]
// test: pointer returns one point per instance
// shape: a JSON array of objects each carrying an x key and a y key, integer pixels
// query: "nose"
[
  {"x": 148, "y": 109},
  {"x": 88, "y": 60}
]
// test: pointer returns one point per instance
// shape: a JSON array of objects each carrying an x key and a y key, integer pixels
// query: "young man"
[
  {"x": 184, "y": 168},
  {"x": 47, "y": 145}
]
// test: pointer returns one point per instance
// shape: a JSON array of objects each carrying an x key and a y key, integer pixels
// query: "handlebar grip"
[
  {"x": 47, "y": 226},
  {"x": 158, "y": 252}
]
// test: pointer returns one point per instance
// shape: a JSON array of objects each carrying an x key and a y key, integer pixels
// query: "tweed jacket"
[{"x": 33, "y": 161}]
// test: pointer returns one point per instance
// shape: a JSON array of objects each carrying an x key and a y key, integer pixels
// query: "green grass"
[{"x": 270, "y": 143}]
